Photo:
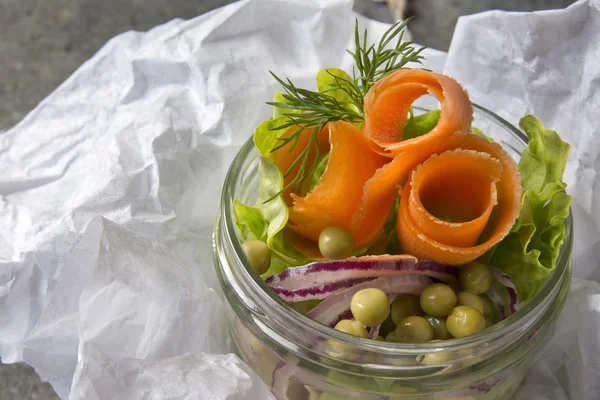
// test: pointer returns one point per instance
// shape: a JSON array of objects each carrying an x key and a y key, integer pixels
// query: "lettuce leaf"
[
  {"x": 250, "y": 221},
  {"x": 421, "y": 124},
  {"x": 278, "y": 111},
  {"x": 391, "y": 223},
  {"x": 326, "y": 79},
  {"x": 266, "y": 220},
  {"x": 529, "y": 252},
  {"x": 319, "y": 171},
  {"x": 479, "y": 132}
]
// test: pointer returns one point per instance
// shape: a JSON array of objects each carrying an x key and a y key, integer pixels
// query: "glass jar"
[{"x": 292, "y": 353}]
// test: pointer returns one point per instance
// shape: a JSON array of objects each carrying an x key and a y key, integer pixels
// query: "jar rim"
[{"x": 252, "y": 282}]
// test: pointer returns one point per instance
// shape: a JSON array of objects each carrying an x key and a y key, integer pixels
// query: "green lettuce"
[
  {"x": 529, "y": 252},
  {"x": 266, "y": 220},
  {"x": 421, "y": 124},
  {"x": 315, "y": 179},
  {"x": 250, "y": 221},
  {"x": 279, "y": 111},
  {"x": 391, "y": 223},
  {"x": 479, "y": 132},
  {"x": 326, "y": 81}
]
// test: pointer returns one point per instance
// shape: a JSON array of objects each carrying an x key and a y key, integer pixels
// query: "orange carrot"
[
  {"x": 359, "y": 186},
  {"x": 381, "y": 190},
  {"x": 388, "y": 102},
  {"x": 336, "y": 198},
  {"x": 464, "y": 185},
  {"x": 386, "y": 110}
]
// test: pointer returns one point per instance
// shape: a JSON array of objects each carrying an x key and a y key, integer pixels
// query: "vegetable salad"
[{"x": 399, "y": 227}]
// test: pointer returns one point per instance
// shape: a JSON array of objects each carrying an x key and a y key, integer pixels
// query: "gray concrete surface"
[
  {"x": 18, "y": 381},
  {"x": 434, "y": 20},
  {"x": 43, "y": 41}
]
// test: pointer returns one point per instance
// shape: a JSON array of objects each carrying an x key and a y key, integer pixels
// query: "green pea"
[
  {"x": 391, "y": 337},
  {"x": 351, "y": 327},
  {"x": 438, "y": 300},
  {"x": 438, "y": 358},
  {"x": 475, "y": 277},
  {"x": 414, "y": 330},
  {"x": 258, "y": 254},
  {"x": 488, "y": 307},
  {"x": 470, "y": 299},
  {"x": 336, "y": 243},
  {"x": 370, "y": 306},
  {"x": 440, "y": 330},
  {"x": 465, "y": 321},
  {"x": 405, "y": 305},
  {"x": 339, "y": 350}
]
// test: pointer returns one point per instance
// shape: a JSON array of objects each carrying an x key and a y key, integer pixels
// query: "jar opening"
[{"x": 268, "y": 306}]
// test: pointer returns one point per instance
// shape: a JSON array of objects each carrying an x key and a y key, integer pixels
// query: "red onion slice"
[
  {"x": 497, "y": 295},
  {"x": 291, "y": 382},
  {"x": 322, "y": 273},
  {"x": 511, "y": 289},
  {"x": 319, "y": 292},
  {"x": 503, "y": 294},
  {"x": 284, "y": 387},
  {"x": 337, "y": 307},
  {"x": 374, "y": 332}
]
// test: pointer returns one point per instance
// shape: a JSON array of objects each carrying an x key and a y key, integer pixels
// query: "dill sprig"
[
  {"x": 374, "y": 62},
  {"x": 309, "y": 109}
]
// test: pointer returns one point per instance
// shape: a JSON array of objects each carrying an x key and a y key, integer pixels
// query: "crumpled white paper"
[
  {"x": 146, "y": 321},
  {"x": 546, "y": 64},
  {"x": 142, "y": 134}
]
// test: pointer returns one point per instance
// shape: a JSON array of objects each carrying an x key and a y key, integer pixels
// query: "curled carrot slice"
[
  {"x": 336, "y": 198},
  {"x": 464, "y": 185},
  {"x": 359, "y": 187},
  {"x": 381, "y": 190},
  {"x": 386, "y": 109},
  {"x": 388, "y": 102},
  {"x": 458, "y": 185}
]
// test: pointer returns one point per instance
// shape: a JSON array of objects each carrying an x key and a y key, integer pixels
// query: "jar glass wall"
[{"x": 292, "y": 353}]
